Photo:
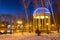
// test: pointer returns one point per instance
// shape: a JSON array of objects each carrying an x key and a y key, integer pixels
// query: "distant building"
[{"x": 6, "y": 21}]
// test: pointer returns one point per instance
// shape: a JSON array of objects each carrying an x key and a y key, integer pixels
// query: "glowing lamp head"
[
  {"x": 19, "y": 22},
  {"x": 2, "y": 31}
]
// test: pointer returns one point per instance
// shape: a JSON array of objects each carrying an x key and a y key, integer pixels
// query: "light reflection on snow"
[{"x": 27, "y": 37}]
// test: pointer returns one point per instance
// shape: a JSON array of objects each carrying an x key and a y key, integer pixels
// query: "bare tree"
[{"x": 25, "y": 4}]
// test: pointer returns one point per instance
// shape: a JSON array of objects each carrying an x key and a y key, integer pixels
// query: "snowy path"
[{"x": 27, "y": 37}]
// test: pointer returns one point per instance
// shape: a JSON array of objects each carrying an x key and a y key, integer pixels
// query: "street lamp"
[
  {"x": 2, "y": 31},
  {"x": 52, "y": 25},
  {"x": 2, "y": 25},
  {"x": 19, "y": 22},
  {"x": 22, "y": 28},
  {"x": 9, "y": 26}
]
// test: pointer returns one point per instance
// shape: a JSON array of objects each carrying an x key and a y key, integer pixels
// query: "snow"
[{"x": 29, "y": 36}]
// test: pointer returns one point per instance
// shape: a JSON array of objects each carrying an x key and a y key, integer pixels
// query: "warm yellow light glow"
[
  {"x": 9, "y": 26},
  {"x": 30, "y": 25},
  {"x": 38, "y": 17},
  {"x": 19, "y": 22},
  {"x": 17, "y": 31},
  {"x": 46, "y": 23},
  {"x": 18, "y": 25},
  {"x": 21, "y": 26},
  {"x": 12, "y": 25},
  {"x": 39, "y": 25},
  {"x": 2, "y": 25},
  {"x": 46, "y": 16},
  {"x": 34, "y": 17},
  {"x": 27, "y": 25},
  {"x": 42, "y": 17},
  {"x": 52, "y": 25},
  {"x": 2, "y": 31}
]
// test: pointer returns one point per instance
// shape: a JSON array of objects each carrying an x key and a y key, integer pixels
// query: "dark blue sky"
[
  {"x": 10, "y": 6},
  {"x": 14, "y": 7}
]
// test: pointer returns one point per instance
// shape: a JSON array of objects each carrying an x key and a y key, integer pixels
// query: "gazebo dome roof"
[{"x": 41, "y": 10}]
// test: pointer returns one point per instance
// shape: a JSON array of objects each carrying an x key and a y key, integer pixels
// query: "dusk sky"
[
  {"x": 10, "y": 6},
  {"x": 14, "y": 7}
]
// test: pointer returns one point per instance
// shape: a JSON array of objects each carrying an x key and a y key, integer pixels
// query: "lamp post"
[
  {"x": 53, "y": 27},
  {"x": 20, "y": 23},
  {"x": 22, "y": 28}
]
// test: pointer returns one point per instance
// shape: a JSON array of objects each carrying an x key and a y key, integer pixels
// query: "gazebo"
[{"x": 41, "y": 19}]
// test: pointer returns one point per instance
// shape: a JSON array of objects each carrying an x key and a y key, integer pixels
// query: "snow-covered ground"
[{"x": 29, "y": 36}]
